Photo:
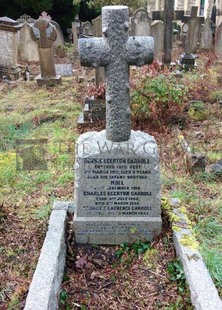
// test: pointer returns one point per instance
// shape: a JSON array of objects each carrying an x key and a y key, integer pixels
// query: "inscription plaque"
[{"x": 117, "y": 189}]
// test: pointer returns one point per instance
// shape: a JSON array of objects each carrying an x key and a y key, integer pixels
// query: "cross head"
[{"x": 116, "y": 51}]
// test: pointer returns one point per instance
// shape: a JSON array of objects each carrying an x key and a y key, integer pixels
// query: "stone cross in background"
[
  {"x": 116, "y": 51},
  {"x": 193, "y": 35},
  {"x": 167, "y": 16},
  {"x": 187, "y": 59},
  {"x": 45, "y": 34}
]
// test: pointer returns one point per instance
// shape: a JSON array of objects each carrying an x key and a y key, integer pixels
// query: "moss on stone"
[{"x": 149, "y": 258}]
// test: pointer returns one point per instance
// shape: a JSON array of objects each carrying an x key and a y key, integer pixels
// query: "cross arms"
[
  {"x": 140, "y": 50},
  {"x": 93, "y": 52}
]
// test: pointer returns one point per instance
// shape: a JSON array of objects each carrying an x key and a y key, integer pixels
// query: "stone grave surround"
[
  {"x": 117, "y": 181},
  {"x": 9, "y": 30}
]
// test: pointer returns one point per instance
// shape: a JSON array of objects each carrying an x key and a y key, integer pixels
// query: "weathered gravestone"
[
  {"x": 194, "y": 30},
  {"x": 75, "y": 34},
  {"x": 9, "y": 41},
  {"x": 157, "y": 30},
  {"x": 141, "y": 23},
  {"x": 167, "y": 16},
  {"x": 117, "y": 188},
  {"x": 206, "y": 41},
  {"x": 86, "y": 30},
  {"x": 192, "y": 38},
  {"x": 64, "y": 69},
  {"x": 60, "y": 37},
  {"x": 27, "y": 47},
  {"x": 45, "y": 34},
  {"x": 218, "y": 41}
]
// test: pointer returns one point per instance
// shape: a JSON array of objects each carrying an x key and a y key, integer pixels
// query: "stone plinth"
[
  {"x": 117, "y": 189},
  {"x": 9, "y": 41},
  {"x": 50, "y": 81}
]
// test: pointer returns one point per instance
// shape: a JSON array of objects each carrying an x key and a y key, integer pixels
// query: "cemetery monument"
[
  {"x": 117, "y": 183},
  {"x": 9, "y": 41},
  {"x": 45, "y": 34}
]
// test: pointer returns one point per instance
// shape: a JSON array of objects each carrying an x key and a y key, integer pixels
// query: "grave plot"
[{"x": 103, "y": 277}]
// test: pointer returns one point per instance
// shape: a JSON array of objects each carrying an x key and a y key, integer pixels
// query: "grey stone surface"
[
  {"x": 94, "y": 110},
  {"x": 64, "y": 69},
  {"x": 75, "y": 35},
  {"x": 27, "y": 47},
  {"x": 167, "y": 16},
  {"x": 215, "y": 168},
  {"x": 218, "y": 41},
  {"x": 97, "y": 31},
  {"x": 45, "y": 34},
  {"x": 141, "y": 23},
  {"x": 60, "y": 37},
  {"x": 9, "y": 42},
  {"x": 50, "y": 81},
  {"x": 204, "y": 295},
  {"x": 45, "y": 286},
  {"x": 117, "y": 189},
  {"x": 158, "y": 35},
  {"x": 116, "y": 51},
  {"x": 194, "y": 30},
  {"x": 207, "y": 35},
  {"x": 64, "y": 205},
  {"x": 86, "y": 29}
]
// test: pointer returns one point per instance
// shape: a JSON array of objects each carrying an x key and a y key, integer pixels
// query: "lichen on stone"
[{"x": 189, "y": 241}]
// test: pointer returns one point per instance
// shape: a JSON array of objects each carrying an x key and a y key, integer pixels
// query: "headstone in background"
[
  {"x": 86, "y": 30},
  {"x": 97, "y": 31},
  {"x": 28, "y": 48},
  {"x": 60, "y": 37},
  {"x": 187, "y": 59},
  {"x": 25, "y": 19},
  {"x": 206, "y": 41},
  {"x": 141, "y": 23},
  {"x": 45, "y": 34},
  {"x": 93, "y": 111},
  {"x": 167, "y": 16},
  {"x": 185, "y": 28},
  {"x": 64, "y": 69},
  {"x": 218, "y": 41},
  {"x": 75, "y": 35},
  {"x": 194, "y": 30},
  {"x": 9, "y": 41},
  {"x": 157, "y": 31},
  {"x": 117, "y": 184}
]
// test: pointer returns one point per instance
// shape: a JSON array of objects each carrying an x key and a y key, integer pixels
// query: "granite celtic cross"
[{"x": 116, "y": 51}]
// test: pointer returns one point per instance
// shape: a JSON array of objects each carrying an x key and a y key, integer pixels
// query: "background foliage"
[{"x": 62, "y": 11}]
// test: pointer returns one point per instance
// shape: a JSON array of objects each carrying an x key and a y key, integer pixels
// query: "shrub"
[{"x": 159, "y": 98}]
